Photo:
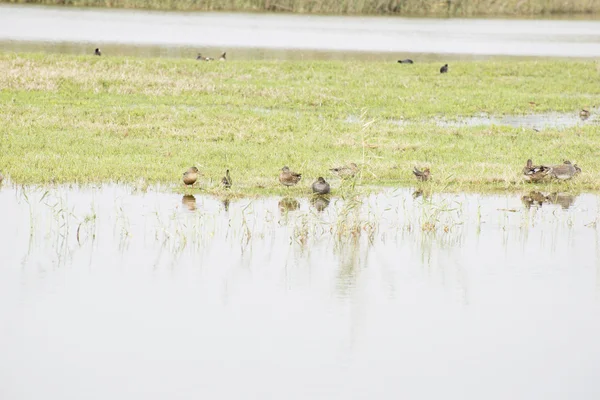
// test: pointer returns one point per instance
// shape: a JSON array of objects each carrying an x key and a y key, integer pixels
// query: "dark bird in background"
[
  {"x": 223, "y": 56},
  {"x": 97, "y": 52},
  {"x": 444, "y": 69},
  {"x": 407, "y": 61},
  {"x": 200, "y": 57}
]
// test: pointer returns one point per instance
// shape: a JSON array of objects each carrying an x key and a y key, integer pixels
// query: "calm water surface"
[
  {"x": 288, "y": 36},
  {"x": 113, "y": 292}
]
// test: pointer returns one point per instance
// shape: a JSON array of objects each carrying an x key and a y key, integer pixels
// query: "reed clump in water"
[{"x": 454, "y": 8}]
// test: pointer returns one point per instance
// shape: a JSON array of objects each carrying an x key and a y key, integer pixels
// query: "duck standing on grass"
[
  {"x": 320, "y": 186},
  {"x": 444, "y": 69},
  {"x": 97, "y": 52},
  {"x": 289, "y": 178},
  {"x": 406, "y": 61},
  {"x": 584, "y": 114},
  {"x": 200, "y": 57},
  {"x": 226, "y": 181},
  {"x": 535, "y": 173},
  {"x": 422, "y": 175},
  {"x": 564, "y": 171},
  {"x": 347, "y": 171},
  {"x": 190, "y": 176}
]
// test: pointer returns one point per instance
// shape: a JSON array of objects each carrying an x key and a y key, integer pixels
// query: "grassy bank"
[
  {"x": 98, "y": 119},
  {"x": 455, "y": 8}
]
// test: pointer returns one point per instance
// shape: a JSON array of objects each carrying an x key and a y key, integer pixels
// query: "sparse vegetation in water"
[
  {"x": 86, "y": 119},
  {"x": 453, "y": 8}
]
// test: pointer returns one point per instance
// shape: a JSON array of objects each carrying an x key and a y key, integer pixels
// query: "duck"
[
  {"x": 200, "y": 57},
  {"x": 584, "y": 114},
  {"x": 421, "y": 175},
  {"x": 535, "y": 173},
  {"x": 347, "y": 171},
  {"x": 444, "y": 69},
  {"x": 223, "y": 56},
  {"x": 226, "y": 181},
  {"x": 190, "y": 176},
  {"x": 564, "y": 171},
  {"x": 289, "y": 178},
  {"x": 97, "y": 52},
  {"x": 320, "y": 186},
  {"x": 406, "y": 61}
]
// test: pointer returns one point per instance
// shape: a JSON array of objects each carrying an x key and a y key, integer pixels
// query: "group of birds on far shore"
[
  {"x": 443, "y": 69},
  {"x": 199, "y": 57}
]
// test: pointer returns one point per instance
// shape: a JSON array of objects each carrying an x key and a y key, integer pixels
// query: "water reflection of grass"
[
  {"x": 406, "y": 7},
  {"x": 103, "y": 119}
]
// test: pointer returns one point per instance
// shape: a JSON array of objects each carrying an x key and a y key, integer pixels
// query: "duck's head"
[
  {"x": 285, "y": 169},
  {"x": 320, "y": 179}
]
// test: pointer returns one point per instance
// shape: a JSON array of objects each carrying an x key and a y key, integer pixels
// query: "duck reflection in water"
[
  {"x": 536, "y": 199},
  {"x": 288, "y": 204},
  {"x": 189, "y": 201},
  {"x": 225, "y": 204},
  {"x": 562, "y": 199},
  {"x": 320, "y": 202}
]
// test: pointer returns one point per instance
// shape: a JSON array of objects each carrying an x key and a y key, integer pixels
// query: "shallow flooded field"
[{"x": 113, "y": 292}]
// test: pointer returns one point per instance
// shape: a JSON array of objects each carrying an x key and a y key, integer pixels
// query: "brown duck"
[
  {"x": 421, "y": 175},
  {"x": 289, "y": 178},
  {"x": 347, "y": 171},
  {"x": 190, "y": 176},
  {"x": 584, "y": 114}
]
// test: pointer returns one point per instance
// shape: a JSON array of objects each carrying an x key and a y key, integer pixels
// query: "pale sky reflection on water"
[{"x": 159, "y": 300}]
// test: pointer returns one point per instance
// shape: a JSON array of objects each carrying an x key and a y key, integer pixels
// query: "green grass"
[
  {"x": 86, "y": 119},
  {"x": 454, "y": 8}
]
